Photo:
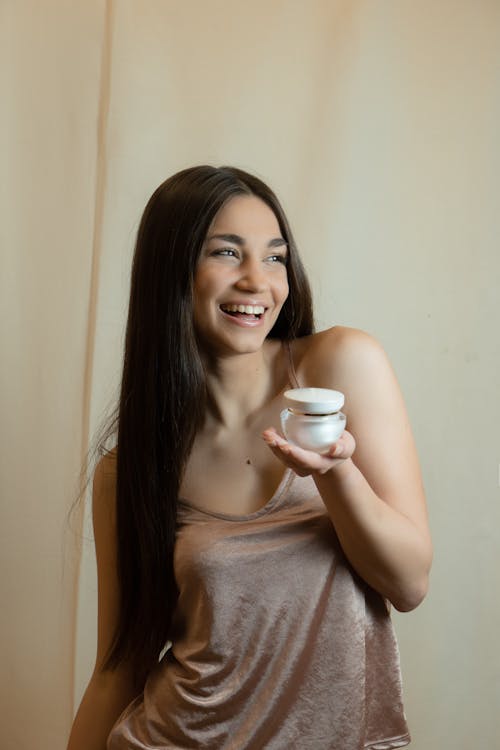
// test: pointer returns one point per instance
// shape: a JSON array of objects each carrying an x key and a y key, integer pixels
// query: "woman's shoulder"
[
  {"x": 333, "y": 354},
  {"x": 104, "y": 487},
  {"x": 105, "y": 469},
  {"x": 338, "y": 334}
]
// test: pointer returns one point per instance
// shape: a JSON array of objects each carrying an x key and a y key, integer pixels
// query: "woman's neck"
[{"x": 239, "y": 386}]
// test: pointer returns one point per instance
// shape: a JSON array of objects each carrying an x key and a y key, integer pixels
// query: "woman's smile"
[
  {"x": 244, "y": 314},
  {"x": 244, "y": 319}
]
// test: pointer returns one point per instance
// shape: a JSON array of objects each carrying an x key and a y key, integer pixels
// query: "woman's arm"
[
  {"x": 108, "y": 692},
  {"x": 371, "y": 485}
]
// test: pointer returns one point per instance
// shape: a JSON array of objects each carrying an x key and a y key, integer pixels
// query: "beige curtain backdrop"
[{"x": 377, "y": 123}]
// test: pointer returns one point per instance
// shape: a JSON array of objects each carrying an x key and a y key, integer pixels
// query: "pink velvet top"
[{"x": 276, "y": 642}]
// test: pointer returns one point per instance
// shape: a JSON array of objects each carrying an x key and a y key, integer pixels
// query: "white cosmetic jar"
[{"x": 312, "y": 419}]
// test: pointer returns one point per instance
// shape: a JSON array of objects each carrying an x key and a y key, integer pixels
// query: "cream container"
[{"x": 312, "y": 419}]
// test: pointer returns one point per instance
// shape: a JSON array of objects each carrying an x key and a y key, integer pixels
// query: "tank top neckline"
[
  {"x": 286, "y": 479},
  {"x": 285, "y": 482}
]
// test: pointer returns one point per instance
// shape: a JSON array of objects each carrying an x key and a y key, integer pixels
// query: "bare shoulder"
[
  {"x": 106, "y": 466},
  {"x": 104, "y": 486},
  {"x": 341, "y": 339},
  {"x": 339, "y": 357}
]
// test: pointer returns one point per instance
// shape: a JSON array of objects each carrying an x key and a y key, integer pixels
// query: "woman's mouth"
[
  {"x": 244, "y": 314},
  {"x": 243, "y": 309}
]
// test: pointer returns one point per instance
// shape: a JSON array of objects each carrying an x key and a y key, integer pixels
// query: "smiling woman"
[
  {"x": 241, "y": 281},
  {"x": 268, "y": 568}
]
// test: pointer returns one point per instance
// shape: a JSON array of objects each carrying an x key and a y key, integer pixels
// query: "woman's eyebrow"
[{"x": 235, "y": 239}]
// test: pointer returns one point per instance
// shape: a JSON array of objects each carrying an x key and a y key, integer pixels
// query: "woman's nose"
[{"x": 251, "y": 277}]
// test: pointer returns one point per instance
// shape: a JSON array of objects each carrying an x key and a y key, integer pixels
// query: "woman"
[{"x": 275, "y": 595}]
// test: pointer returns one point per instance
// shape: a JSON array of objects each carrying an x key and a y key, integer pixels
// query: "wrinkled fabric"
[{"x": 276, "y": 642}]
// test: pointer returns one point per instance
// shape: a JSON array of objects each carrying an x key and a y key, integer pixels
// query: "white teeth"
[{"x": 248, "y": 309}]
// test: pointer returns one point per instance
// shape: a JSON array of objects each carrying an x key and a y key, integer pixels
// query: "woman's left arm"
[{"x": 370, "y": 481}]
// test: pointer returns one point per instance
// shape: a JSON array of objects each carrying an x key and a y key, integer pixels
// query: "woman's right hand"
[{"x": 304, "y": 462}]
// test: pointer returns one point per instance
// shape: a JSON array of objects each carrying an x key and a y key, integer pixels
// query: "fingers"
[
  {"x": 344, "y": 447},
  {"x": 289, "y": 454},
  {"x": 273, "y": 438},
  {"x": 340, "y": 449},
  {"x": 279, "y": 446},
  {"x": 336, "y": 450},
  {"x": 302, "y": 461},
  {"x": 305, "y": 462}
]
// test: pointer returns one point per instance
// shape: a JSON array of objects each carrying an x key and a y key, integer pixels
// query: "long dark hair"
[{"x": 163, "y": 392}]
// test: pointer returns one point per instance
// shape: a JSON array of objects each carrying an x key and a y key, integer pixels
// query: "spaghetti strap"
[{"x": 291, "y": 369}]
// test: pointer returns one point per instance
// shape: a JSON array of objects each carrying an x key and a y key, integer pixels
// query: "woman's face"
[{"x": 241, "y": 281}]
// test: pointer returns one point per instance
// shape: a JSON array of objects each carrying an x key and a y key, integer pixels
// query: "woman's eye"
[
  {"x": 225, "y": 251},
  {"x": 278, "y": 259}
]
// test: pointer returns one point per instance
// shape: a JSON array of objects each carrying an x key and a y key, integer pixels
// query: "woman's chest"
[
  {"x": 235, "y": 479},
  {"x": 233, "y": 472}
]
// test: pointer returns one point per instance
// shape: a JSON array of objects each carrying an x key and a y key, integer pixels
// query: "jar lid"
[{"x": 314, "y": 400}]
